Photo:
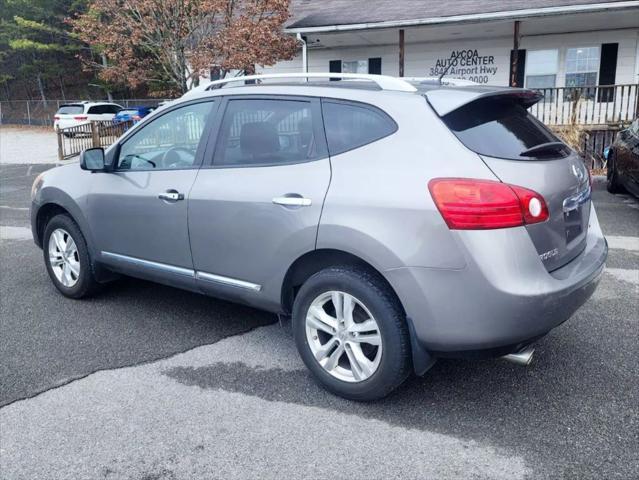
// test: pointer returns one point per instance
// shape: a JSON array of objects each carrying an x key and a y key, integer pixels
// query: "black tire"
[
  {"x": 395, "y": 363},
  {"x": 86, "y": 283},
  {"x": 613, "y": 183}
]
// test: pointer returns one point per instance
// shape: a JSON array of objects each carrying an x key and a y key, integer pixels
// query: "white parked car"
[{"x": 73, "y": 114}]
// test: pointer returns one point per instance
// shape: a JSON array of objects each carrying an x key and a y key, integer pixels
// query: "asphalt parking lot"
[{"x": 147, "y": 382}]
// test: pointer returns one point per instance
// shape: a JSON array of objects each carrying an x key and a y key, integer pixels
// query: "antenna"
[{"x": 453, "y": 61}]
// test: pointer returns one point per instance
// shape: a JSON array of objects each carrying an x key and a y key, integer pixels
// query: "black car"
[{"x": 623, "y": 161}]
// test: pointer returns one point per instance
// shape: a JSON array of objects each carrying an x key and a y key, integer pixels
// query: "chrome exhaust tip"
[{"x": 523, "y": 357}]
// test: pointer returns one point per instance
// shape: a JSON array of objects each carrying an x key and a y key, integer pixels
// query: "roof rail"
[
  {"x": 383, "y": 81},
  {"x": 444, "y": 81}
]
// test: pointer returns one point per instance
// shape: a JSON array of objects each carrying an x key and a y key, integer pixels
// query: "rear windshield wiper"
[{"x": 543, "y": 148}]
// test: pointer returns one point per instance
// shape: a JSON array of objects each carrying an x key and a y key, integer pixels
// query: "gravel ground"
[
  {"x": 147, "y": 382},
  {"x": 28, "y": 145}
]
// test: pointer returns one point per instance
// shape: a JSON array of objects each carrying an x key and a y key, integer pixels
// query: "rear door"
[
  {"x": 256, "y": 207},
  {"x": 520, "y": 150}
]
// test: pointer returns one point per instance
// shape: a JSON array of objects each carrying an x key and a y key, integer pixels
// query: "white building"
[{"x": 560, "y": 43}]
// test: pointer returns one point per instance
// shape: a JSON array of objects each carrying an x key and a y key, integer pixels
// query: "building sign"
[{"x": 466, "y": 64}]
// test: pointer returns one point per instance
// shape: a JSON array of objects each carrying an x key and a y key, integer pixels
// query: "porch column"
[
  {"x": 514, "y": 59},
  {"x": 401, "y": 52}
]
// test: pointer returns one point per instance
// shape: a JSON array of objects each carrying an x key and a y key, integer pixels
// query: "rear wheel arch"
[{"x": 314, "y": 261}]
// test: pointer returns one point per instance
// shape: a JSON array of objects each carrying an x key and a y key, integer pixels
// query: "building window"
[
  {"x": 357, "y": 66},
  {"x": 582, "y": 66},
  {"x": 541, "y": 69}
]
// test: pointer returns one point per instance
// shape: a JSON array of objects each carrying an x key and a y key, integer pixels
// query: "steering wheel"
[{"x": 178, "y": 161}]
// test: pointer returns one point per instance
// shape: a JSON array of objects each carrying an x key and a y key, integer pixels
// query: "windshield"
[{"x": 503, "y": 128}]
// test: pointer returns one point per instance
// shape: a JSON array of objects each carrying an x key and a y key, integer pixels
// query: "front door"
[
  {"x": 138, "y": 212},
  {"x": 257, "y": 207}
]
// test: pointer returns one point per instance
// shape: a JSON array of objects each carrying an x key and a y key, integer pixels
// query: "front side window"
[
  {"x": 582, "y": 66},
  {"x": 541, "y": 69},
  {"x": 350, "y": 126},
  {"x": 168, "y": 142},
  {"x": 266, "y": 132}
]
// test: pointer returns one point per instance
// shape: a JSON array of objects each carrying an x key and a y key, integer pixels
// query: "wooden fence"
[
  {"x": 72, "y": 140},
  {"x": 595, "y": 105}
]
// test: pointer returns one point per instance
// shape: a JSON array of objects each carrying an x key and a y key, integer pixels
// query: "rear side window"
[
  {"x": 71, "y": 109},
  {"x": 111, "y": 108},
  {"x": 501, "y": 128},
  {"x": 350, "y": 125},
  {"x": 100, "y": 109},
  {"x": 267, "y": 132}
]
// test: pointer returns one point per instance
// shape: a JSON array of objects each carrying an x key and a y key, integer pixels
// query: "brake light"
[
  {"x": 468, "y": 204},
  {"x": 82, "y": 117}
]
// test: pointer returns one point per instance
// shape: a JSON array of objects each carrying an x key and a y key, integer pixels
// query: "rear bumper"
[{"x": 503, "y": 297}]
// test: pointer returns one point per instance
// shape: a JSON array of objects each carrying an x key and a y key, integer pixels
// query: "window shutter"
[
  {"x": 607, "y": 71},
  {"x": 336, "y": 67},
  {"x": 375, "y": 66},
  {"x": 521, "y": 67}
]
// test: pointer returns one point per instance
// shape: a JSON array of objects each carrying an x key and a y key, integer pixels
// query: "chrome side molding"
[
  {"x": 149, "y": 264},
  {"x": 209, "y": 277},
  {"x": 232, "y": 282}
]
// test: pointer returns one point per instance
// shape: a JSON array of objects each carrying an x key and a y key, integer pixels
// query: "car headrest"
[
  {"x": 305, "y": 127},
  {"x": 259, "y": 138}
]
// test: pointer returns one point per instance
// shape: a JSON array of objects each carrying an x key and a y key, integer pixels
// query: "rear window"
[
  {"x": 350, "y": 126},
  {"x": 71, "y": 109},
  {"x": 501, "y": 128}
]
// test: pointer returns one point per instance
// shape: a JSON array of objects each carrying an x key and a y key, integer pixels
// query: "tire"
[
  {"x": 71, "y": 272},
  {"x": 386, "y": 366},
  {"x": 613, "y": 183}
]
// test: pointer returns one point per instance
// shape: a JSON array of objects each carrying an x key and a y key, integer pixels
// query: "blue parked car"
[{"x": 134, "y": 114}]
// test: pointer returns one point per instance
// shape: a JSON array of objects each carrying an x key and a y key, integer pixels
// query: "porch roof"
[{"x": 342, "y": 15}]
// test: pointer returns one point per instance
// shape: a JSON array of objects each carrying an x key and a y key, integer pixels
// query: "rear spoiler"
[{"x": 447, "y": 100}]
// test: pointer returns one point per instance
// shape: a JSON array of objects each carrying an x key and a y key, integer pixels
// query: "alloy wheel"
[
  {"x": 343, "y": 336},
  {"x": 64, "y": 257}
]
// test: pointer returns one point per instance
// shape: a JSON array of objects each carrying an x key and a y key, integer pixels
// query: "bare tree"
[{"x": 169, "y": 44}]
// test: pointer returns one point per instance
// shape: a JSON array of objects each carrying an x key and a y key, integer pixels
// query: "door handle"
[
  {"x": 293, "y": 201},
  {"x": 171, "y": 196}
]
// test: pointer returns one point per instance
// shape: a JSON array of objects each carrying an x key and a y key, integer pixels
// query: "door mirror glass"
[{"x": 92, "y": 159}]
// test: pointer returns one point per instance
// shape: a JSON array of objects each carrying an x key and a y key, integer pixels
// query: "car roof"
[{"x": 445, "y": 95}]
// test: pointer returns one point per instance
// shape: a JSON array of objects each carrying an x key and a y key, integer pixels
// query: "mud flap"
[{"x": 422, "y": 359}]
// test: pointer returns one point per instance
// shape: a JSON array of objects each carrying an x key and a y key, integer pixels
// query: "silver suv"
[{"x": 394, "y": 222}]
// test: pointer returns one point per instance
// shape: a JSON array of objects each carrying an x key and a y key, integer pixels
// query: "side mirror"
[{"x": 92, "y": 159}]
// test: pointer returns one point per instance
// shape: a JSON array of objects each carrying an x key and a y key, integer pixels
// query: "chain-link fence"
[{"x": 32, "y": 112}]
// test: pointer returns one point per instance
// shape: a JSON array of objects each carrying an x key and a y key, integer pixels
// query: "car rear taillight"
[
  {"x": 81, "y": 117},
  {"x": 468, "y": 204}
]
